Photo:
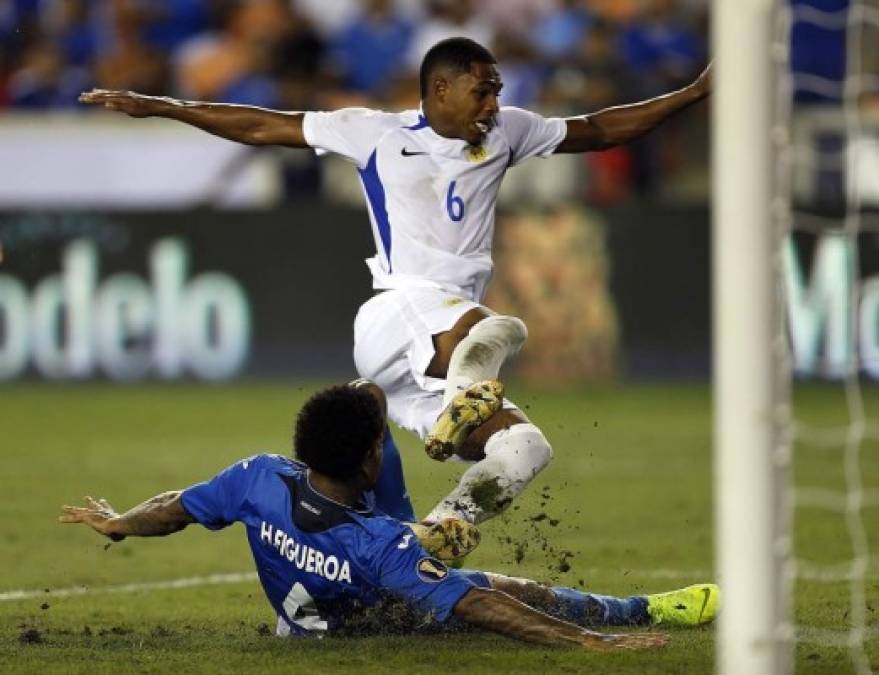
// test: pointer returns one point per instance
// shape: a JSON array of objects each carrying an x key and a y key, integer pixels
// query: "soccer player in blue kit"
[
  {"x": 322, "y": 547},
  {"x": 431, "y": 178}
]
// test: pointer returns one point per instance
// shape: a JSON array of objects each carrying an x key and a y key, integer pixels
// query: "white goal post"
[{"x": 751, "y": 546}]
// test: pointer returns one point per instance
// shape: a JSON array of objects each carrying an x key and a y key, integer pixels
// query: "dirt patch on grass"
[
  {"x": 391, "y": 616},
  {"x": 114, "y": 630},
  {"x": 30, "y": 636},
  {"x": 161, "y": 632}
]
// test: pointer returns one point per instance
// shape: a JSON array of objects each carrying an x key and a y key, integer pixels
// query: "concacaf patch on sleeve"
[{"x": 431, "y": 570}]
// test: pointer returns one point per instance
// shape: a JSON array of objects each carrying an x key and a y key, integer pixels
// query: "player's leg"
[
  {"x": 584, "y": 609},
  {"x": 475, "y": 349},
  {"x": 408, "y": 341},
  {"x": 512, "y": 452},
  {"x": 690, "y": 606},
  {"x": 508, "y": 450}
]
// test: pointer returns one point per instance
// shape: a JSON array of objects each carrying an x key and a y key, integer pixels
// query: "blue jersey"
[{"x": 314, "y": 556}]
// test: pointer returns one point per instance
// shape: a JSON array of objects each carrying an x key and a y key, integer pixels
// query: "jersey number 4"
[
  {"x": 454, "y": 205},
  {"x": 301, "y": 610}
]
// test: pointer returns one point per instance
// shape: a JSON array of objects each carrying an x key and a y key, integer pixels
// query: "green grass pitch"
[{"x": 625, "y": 507}]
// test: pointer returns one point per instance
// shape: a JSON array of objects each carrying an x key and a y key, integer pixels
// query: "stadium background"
[
  {"x": 143, "y": 251},
  {"x": 79, "y": 171}
]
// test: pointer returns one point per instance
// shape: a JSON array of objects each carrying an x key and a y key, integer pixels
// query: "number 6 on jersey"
[{"x": 454, "y": 205}]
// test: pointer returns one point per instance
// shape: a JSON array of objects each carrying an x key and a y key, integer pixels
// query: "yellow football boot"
[
  {"x": 465, "y": 412},
  {"x": 690, "y": 606},
  {"x": 450, "y": 539}
]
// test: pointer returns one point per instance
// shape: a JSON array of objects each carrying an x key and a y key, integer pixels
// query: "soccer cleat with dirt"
[
  {"x": 465, "y": 412},
  {"x": 690, "y": 606},
  {"x": 449, "y": 539}
]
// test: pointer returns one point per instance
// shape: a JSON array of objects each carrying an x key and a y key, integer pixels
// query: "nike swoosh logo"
[
  {"x": 407, "y": 153},
  {"x": 707, "y": 593}
]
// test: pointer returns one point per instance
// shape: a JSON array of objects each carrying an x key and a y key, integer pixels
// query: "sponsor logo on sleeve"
[{"x": 431, "y": 570}]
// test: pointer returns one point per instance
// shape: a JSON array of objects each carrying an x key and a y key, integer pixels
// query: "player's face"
[{"x": 472, "y": 101}]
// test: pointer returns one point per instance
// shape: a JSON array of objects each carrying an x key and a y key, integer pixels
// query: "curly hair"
[{"x": 336, "y": 430}]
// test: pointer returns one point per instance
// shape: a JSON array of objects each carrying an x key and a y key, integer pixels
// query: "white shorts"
[{"x": 393, "y": 347}]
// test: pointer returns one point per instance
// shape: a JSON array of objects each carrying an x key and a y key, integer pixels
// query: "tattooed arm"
[
  {"x": 496, "y": 611},
  {"x": 156, "y": 517}
]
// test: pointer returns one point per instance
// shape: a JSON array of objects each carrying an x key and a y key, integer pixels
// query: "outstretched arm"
[
  {"x": 240, "y": 123},
  {"x": 501, "y": 613},
  {"x": 613, "y": 126},
  {"x": 156, "y": 517}
]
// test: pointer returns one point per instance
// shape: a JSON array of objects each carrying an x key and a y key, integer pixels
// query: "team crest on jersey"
[
  {"x": 477, "y": 153},
  {"x": 431, "y": 570}
]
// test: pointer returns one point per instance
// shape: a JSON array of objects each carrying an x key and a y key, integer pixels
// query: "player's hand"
[
  {"x": 607, "y": 642},
  {"x": 703, "y": 84},
  {"x": 128, "y": 102},
  {"x": 97, "y": 514}
]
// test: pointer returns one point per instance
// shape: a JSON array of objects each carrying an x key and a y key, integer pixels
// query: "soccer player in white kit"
[{"x": 431, "y": 178}]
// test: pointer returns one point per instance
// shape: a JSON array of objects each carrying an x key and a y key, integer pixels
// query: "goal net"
[{"x": 796, "y": 258}]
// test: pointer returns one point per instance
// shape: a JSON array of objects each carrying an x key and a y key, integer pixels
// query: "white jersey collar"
[{"x": 449, "y": 147}]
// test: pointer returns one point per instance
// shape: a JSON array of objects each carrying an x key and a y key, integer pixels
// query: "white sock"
[
  {"x": 512, "y": 458},
  {"x": 480, "y": 355}
]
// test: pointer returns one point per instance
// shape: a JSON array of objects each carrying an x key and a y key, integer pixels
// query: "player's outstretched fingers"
[
  {"x": 639, "y": 641},
  {"x": 606, "y": 642},
  {"x": 121, "y": 101},
  {"x": 72, "y": 514},
  {"x": 95, "y": 95}
]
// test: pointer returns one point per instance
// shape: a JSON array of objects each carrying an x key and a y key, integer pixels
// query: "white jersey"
[{"x": 431, "y": 199}]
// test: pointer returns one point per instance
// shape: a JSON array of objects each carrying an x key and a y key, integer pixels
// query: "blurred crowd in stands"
[
  {"x": 560, "y": 56},
  {"x": 314, "y": 53}
]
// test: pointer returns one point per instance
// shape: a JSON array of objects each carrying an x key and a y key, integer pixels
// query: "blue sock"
[
  {"x": 391, "y": 497},
  {"x": 591, "y": 609}
]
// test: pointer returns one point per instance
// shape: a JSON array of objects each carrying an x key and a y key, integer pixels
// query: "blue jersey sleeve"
[
  {"x": 216, "y": 503},
  {"x": 405, "y": 568}
]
